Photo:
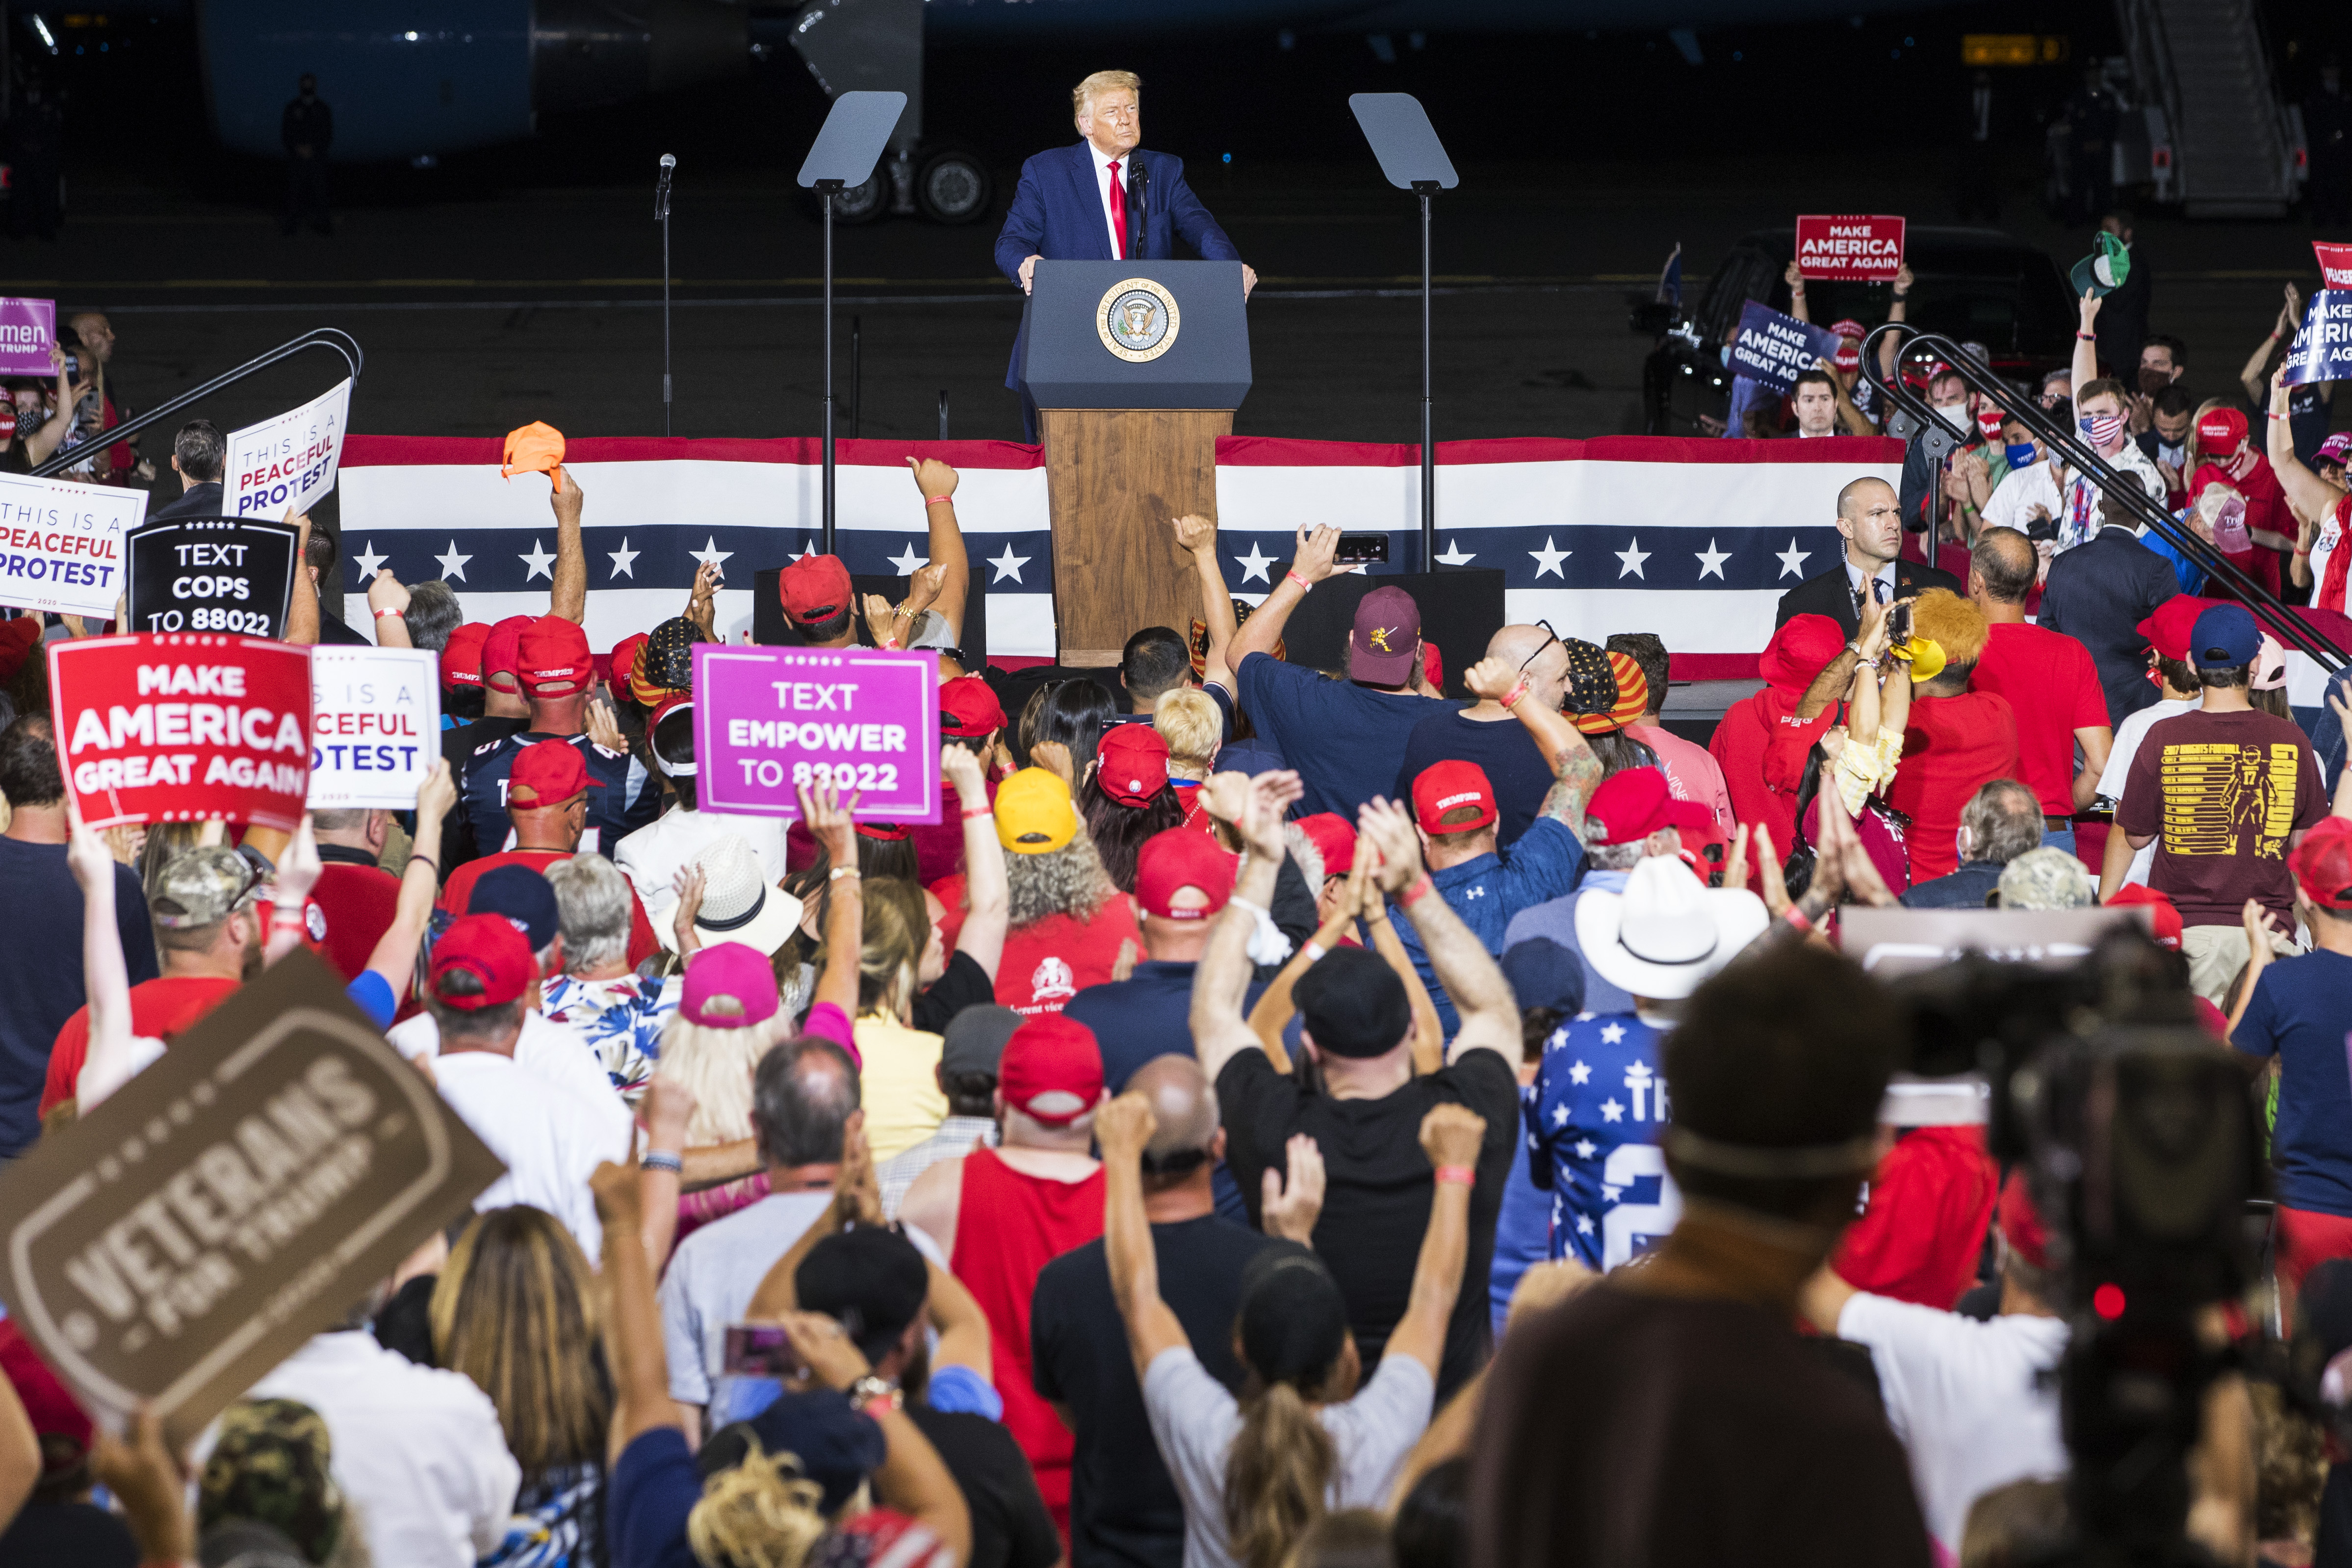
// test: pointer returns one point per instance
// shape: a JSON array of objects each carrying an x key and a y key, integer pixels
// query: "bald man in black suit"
[{"x": 1871, "y": 522}]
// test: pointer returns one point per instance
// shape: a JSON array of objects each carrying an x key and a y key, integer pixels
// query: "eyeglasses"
[{"x": 1550, "y": 637}]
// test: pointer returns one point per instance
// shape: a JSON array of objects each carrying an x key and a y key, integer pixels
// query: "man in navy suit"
[{"x": 1104, "y": 200}]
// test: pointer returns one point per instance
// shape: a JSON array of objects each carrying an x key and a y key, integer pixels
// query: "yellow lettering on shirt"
[{"x": 2213, "y": 791}]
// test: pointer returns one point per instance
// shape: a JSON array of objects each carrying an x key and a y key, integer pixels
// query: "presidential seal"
[{"x": 1137, "y": 319}]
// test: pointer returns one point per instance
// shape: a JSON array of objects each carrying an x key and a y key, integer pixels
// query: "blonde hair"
[
  {"x": 897, "y": 925},
  {"x": 763, "y": 1513},
  {"x": 1188, "y": 720},
  {"x": 717, "y": 1064},
  {"x": 513, "y": 1309},
  {"x": 1280, "y": 1464},
  {"x": 1087, "y": 91}
]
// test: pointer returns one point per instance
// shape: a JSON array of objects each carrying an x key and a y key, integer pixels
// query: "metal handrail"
[
  {"x": 2290, "y": 629},
  {"x": 341, "y": 342}
]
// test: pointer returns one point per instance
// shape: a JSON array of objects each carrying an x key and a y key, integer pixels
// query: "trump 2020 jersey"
[
  {"x": 1595, "y": 1115},
  {"x": 625, "y": 799}
]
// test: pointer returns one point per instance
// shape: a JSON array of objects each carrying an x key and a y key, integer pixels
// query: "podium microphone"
[{"x": 661, "y": 215}]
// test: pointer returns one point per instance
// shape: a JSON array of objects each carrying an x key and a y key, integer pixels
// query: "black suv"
[{"x": 1974, "y": 286}]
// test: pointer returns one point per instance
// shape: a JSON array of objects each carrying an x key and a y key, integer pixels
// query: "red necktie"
[{"x": 1118, "y": 213}]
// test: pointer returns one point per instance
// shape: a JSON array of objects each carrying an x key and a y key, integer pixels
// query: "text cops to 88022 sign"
[
  {"x": 212, "y": 574},
  {"x": 768, "y": 721}
]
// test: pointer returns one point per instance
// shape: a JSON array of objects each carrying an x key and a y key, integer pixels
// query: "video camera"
[{"x": 2144, "y": 1157}]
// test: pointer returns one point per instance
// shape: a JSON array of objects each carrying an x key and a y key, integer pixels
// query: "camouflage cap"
[
  {"x": 204, "y": 887},
  {"x": 2046, "y": 878},
  {"x": 271, "y": 1464}
]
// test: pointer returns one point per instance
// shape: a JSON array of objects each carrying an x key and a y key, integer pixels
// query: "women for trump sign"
[{"x": 182, "y": 727}]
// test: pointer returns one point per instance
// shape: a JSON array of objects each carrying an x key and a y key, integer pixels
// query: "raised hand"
[
  {"x": 387, "y": 593},
  {"x": 1270, "y": 797},
  {"x": 1451, "y": 1135},
  {"x": 603, "y": 728},
  {"x": 1195, "y": 533},
  {"x": 1124, "y": 1125},
  {"x": 1490, "y": 678},
  {"x": 1390, "y": 827},
  {"x": 437, "y": 792},
  {"x": 933, "y": 477},
  {"x": 1290, "y": 1208},
  {"x": 830, "y": 822},
  {"x": 1316, "y": 547}
]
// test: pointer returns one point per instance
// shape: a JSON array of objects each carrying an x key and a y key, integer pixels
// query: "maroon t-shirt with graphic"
[{"x": 2223, "y": 792}]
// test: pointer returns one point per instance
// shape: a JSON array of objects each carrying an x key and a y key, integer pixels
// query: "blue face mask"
[
  {"x": 2022, "y": 455},
  {"x": 1727, "y": 353}
]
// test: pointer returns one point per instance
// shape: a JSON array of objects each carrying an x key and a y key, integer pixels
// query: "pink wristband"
[
  {"x": 1304, "y": 586},
  {"x": 935, "y": 500},
  {"x": 1458, "y": 1176},
  {"x": 1421, "y": 888}
]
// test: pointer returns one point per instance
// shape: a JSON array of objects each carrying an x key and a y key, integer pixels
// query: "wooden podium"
[{"x": 1135, "y": 368}]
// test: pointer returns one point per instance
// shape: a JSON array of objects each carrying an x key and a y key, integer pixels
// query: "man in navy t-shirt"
[
  {"x": 557, "y": 674},
  {"x": 2300, "y": 1012},
  {"x": 1183, "y": 877},
  {"x": 1485, "y": 735},
  {"x": 1335, "y": 732}
]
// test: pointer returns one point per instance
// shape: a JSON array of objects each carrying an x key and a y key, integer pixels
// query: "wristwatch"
[{"x": 870, "y": 1390}]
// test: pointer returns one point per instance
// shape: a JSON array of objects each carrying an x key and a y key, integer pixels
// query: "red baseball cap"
[
  {"x": 1633, "y": 804},
  {"x": 1802, "y": 649},
  {"x": 2322, "y": 864},
  {"x": 502, "y": 655},
  {"x": 1052, "y": 1070},
  {"x": 2021, "y": 1222},
  {"x": 1334, "y": 837},
  {"x": 552, "y": 658},
  {"x": 549, "y": 773},
  {"x": 624, "y": 660},
  {"x": 1443, "y": 787},
  {"x": 1178, "y": 858},
  {"x": 1433, "y": 666},
  {"x": 1379, "y": 648},
  {"x": 2221, "y": 431},
  {"x": 1131, "y": 763},
  {"x": 492, "y": 949},
  {"x": 968, "y": 709},
  {"x": 815, "y": 588},
  {"x": 2164, "y": 921},
  {"x": 61, "y": 1424},
  {"x": 2170, "y": 625},
  {"x": 461, "y": 656}
]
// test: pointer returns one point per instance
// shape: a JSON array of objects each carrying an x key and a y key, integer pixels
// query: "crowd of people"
[{"x": 1276, "y": 1116}]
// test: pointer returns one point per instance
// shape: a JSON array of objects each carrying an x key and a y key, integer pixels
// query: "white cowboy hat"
[
  {"x": 738, "y": 903},
  {"x": 1667, "y": 932}
]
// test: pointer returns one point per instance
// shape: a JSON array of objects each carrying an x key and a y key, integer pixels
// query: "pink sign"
[
  {"x": 2335, "y": 264},
  {"x": 1867, "y": 249},
  {"x": 768, "y": 720},
  {"x": 28, "y": 327}
]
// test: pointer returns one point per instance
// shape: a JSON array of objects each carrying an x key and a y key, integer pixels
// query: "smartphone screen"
[
  {"x": 1357, "y": 547},
  {"x": 760, "y": 1349}
]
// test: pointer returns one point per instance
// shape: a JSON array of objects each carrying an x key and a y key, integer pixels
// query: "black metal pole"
[
  {"x": 943, "y": 414},
  {"x": 856, "y": 378},
  {"x": 1428, "y": 424},
  {"x": 666, "y": 429},
  {"x": 333, "y": 338},
  {"x": 826, "y": 525}
]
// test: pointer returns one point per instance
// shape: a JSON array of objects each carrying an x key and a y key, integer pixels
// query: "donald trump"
[{"x": 1105, "y": 199}]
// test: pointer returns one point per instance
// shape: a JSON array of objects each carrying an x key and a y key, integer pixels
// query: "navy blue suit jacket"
[
  {"x": 2098, "y": 594},
  {"x": 1058, "y": 213}
]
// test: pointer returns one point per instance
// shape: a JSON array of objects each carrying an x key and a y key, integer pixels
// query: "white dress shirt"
[
  {"x": 1102, "y": 189},
  {"x": 1886, "y": 574},
  {"x": 419, "y": 1452}
]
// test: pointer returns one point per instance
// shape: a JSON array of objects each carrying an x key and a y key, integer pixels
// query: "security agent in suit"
[
  {"x": 1104, "y": 200},
  {"x": 1872, "y": 525},
  {"x": 2098, "y": 594}
]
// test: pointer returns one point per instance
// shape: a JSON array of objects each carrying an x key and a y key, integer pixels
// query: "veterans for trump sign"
[
  {"x": 288, "y": 461},
  {"x": 183, "y": 728},
  {"x": 770, "y": 720},
  {"x": 61, "y": 544},
  {"x": 175, "y": 1244},
  {"x": 1850, "y": 248},
  {"x": 375, "y": 726}
]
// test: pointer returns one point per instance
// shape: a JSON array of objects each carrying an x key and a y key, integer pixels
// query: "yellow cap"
[
  {"x": 1926, "y": 656},
  {"x": 1033, "y": 814}
]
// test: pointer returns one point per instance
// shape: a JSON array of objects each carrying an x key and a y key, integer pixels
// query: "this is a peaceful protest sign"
[{"x": 230, "y": 1201}]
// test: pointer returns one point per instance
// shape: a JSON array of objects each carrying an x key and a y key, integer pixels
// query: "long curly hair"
[
  {"x": 1119, "y": 829},
  {"x": 1068, "y": 881}
]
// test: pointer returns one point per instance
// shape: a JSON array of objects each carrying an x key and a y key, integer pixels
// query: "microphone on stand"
[{"x": 661, "y": 217}]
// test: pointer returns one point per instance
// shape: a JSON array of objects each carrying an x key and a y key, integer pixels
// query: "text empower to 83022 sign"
[{"x": 768, "y": 720}]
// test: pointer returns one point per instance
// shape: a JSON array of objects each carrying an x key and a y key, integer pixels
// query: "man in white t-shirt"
[
  {"x": 2167, "y": 631},
  {"x": 1969, "y": 1400},
  {"x": 652, "y": 857},
  {"x": 549, "y": 1138}
]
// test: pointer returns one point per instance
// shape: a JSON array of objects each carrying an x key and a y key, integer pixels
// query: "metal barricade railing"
[{"x": 330, "y": 338}]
